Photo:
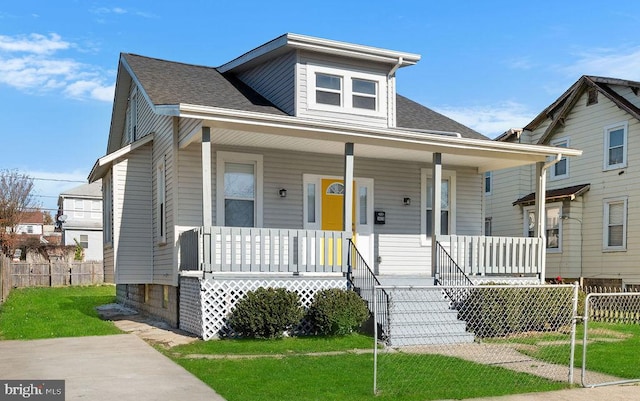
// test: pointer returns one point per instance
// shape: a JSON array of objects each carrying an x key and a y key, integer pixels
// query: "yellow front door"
[{"x": 332, "y": 203}]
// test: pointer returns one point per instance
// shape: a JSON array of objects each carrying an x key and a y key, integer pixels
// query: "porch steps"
[{"x": 422, "y": 317}]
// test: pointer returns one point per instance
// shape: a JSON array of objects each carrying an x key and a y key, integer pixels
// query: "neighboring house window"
[
  {"x": 615, "y": 146},
  {"x": 447, "y": 202},
  {"x": 96, "y": 209},
  {"x": 334, "y": 89},
  {"x": 615, "y": 224},
  {"x": 161, "y": 189},
  {"x": 29, "y": 229},
  {"x": 553, "y": 226},
  {"x": 84, "y": 241},
  {"x": 78, "y": 208},
  {"x": 488, "y": 182},
  {"x": 329, "y": 89},
  {"x": 487, "y": 227},
  {"x": 239, "y": 189},
  {"x": 561, "y": 168},
  {"x": 106, "y": 208}
]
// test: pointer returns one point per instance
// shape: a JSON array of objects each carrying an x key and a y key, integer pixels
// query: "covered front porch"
[{"x": 287, "y": 234}]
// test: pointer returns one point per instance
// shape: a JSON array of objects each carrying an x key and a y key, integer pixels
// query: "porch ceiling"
[
  {"x": 230, "y": 137},
  {"x": 295, "y": 134}
]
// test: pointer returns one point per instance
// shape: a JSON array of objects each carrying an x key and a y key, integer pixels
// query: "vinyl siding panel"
[
  {"x": 275, "y": 80},
  {"x": 189, "y": 186},
  {"x": 133, "y": 240},
  {"x": 164, "y": 266}
]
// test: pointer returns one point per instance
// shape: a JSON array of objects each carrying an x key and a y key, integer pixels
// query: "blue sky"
[{"x": 491, "y": 65}]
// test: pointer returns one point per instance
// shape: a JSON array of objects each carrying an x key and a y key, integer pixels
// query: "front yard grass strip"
[
  {"x": 283, "y": 346},
  {"x": 350, "y": 377},
  {"x": 33, "y": 313},
  {"x": 613, "y": 349}
]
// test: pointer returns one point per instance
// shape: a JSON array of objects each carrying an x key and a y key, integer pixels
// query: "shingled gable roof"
[
  {"x": 554, "y": 195},
  {"x": 559, "y": 109},
  {"x": 173, "y": 83}
]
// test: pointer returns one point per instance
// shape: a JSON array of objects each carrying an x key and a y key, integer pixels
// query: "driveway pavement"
[{"x": 106, "y": 368}]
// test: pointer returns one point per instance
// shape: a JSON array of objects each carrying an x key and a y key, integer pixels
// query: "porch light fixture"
[
  {"x": 406, "y": 201},
  {"x": 283, "y": 193}
]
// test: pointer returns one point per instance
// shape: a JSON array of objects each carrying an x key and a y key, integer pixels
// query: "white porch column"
[
  {"x": 348, "y": 187},
  {"x": 207, "y": 211},
  {"x": 436, "y": 209},
  {"x": 541, "y": 215}
]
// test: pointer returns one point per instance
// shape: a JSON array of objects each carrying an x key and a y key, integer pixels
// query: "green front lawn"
[{"x": 31, "y": 313}]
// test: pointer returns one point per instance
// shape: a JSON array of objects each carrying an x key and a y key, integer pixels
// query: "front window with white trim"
[
  {"x": 239, "y": 189},
  {"x": 560, "y": 169},
  {"x": 447, "y": 202},
  {"x": 553, "y": 226},
  {"x": 329, "y": 89},
  {"x": 615, "y": 146},
  {"x": 615, "y": 224}
]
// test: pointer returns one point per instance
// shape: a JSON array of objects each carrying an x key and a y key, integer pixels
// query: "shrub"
[
  {"x": 497, "y": 312},
  {"x": 266, "y": 313},
  {"x": 337, "y": 312}
]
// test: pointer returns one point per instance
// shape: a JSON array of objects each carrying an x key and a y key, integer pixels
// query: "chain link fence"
[
  {"x": 610, "y": 318},
  {"x": 439, "y": 337}
]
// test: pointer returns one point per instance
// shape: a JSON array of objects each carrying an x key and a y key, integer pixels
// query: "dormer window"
[
  {"x": 329, "y": 89},
  {"x": 343, "y": 90},
  {"x": 364, "y": 94}
]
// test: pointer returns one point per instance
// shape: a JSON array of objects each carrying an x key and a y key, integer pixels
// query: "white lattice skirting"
[{"x": 218, "y": 297}]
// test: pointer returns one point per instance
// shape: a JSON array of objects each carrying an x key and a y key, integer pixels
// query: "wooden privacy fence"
[{"x": 51, "y": 274}]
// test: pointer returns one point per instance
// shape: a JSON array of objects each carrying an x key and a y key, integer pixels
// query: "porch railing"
[
  {"x": 272, "y": 250},
  {"x": 479, "y": 255},
  {"x": 363, "y": 280}
]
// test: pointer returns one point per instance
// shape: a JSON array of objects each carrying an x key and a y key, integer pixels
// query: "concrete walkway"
[{"x": 106, "y": 368}]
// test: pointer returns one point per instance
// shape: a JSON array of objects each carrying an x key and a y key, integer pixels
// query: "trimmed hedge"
[
  {"x": 498, "y": 312},
  {"x": 266, "y": 313},
  {"x": 337, "y": 312}
]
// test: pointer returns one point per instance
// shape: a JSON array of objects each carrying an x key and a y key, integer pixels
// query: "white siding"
[
  {"x": 133, "y": 240},
  {"x": 275, "y": 80},
  {"x": 94, "y": 248}
]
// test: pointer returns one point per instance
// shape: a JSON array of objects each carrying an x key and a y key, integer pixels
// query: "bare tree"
[{"x": 16, "y": 198}]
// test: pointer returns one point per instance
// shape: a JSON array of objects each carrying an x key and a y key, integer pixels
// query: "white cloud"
[
  {"x": 41, "y": 70},
  {"x": 34, "y": 43},
  {"x": 615, "y": 63},
  {"x": 490, "y": 120}
]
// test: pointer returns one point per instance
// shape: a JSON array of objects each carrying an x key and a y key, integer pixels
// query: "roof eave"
[{"x": 297, "y": 41}]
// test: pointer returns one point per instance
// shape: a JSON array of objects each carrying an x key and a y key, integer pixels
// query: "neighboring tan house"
[
  {"x": 80, "y": 219},
  {"x": 220, "y": 180},
  {"x": 592, "y": 230}
]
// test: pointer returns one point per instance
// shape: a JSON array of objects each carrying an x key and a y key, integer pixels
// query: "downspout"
[
  {"x": 391, "y": 115},
  {"x": 541, "y": 184}
]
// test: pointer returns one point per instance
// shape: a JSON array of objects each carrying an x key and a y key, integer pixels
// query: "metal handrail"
[
  {"x": 449, "y": 274},
  {"x": 362, "y": 280}
]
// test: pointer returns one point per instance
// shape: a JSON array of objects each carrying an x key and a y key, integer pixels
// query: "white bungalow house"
[
  {"x": 591, "y": 226},
  {"x": 219, "y": 180}
]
